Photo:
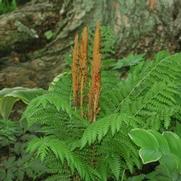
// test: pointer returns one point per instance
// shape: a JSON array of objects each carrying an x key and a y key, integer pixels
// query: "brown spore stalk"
[
  {"x": 83, "y": 66},
  {"x": 75, "y": 71},
  {"x": 152, "y": 4},
  {"x": 94, "y": 92}
]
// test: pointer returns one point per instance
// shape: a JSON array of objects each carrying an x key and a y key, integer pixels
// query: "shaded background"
[{"x": 38, "y": 34}]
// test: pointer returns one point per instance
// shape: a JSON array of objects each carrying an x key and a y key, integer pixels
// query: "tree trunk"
[{"x": 28, "y": 58}]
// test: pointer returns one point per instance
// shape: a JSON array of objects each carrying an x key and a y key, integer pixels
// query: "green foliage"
[
  {"x": 16, "y": 164},
  {"x": 130, "y": 60},
  {"x": 49, "y": 34},
  {"x": 8, "y": 132},
  {"x": 164, "y": 148},
  {"x": 9, "y": 96},
  {"x": 6, "y": 6},
  {"x": 102, "y": 150},
  {"x": 151, "y": 89},
  {"x": 20, "y": 169},
  {"x": 156, "y": 144},
  {"x": 67, "y": 147},
  {"x": 108, "y": 39},
  {"x": 62, "y": 152},
  {"x": 112, "y": 123}
]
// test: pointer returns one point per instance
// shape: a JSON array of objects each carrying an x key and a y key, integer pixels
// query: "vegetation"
[
  {"x": 93, "y": 125},
  {"x": 163, "y": 147},
  {"x": 6, "y": 6}
]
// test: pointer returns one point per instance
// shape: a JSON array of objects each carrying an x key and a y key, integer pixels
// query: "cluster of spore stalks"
[{"x": 83, "y": 97}]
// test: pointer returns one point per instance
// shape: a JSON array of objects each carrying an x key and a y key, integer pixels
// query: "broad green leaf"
[
  {"x": 178, "y": 129},
  {"x": 149, "y": 155},
  {"x": 144, "y": 139},
  {"x": 163, "y": 144},
  {"x": 9, "y": 96},
  {"x": 6, "y": 105},
  {"x": 174, "y": 142},
  {"x": 171, "y": 161}
]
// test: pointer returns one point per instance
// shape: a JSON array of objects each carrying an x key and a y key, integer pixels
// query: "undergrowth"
[
  {"x": 96, "y": 122},
  {"x": 7, "y": 6},
  {"x": 86, "y": 137}
]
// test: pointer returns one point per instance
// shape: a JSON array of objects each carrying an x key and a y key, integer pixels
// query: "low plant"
[
  {"x": 87, "y": 113},
  {"x": 7, "y": 5},
  {"x": 9, "y": 96},
  {"x": 164, "y": 148},
  {"x": 15, "y": 162}
]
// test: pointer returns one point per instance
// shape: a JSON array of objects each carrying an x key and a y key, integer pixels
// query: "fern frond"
[
  {"x": 110, "y": 92},
  {"x": 43, "y": 146},
  {"x": 113, "y": 123},
  {"x": 164, "y": 70},
  {"x": 157, "y": 102},
  {"x": 121, "y": 145}
]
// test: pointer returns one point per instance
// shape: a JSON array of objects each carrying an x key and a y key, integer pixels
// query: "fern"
[
  {"x": 45, "y": 145},
  {"x": 111, "y": 123},
  {"x": 103, "y": 150},
  {"x": 6, "y": 6}
]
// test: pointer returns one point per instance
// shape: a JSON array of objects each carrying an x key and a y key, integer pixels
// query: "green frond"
[
  {"x": 110, "y": 166},
  {"x": 161, "y": 70},
  {"x": 56, "y": 170},
  {"x": 39, "y": 115},
  {"x": 113, "y": 123},
  {"x": 148, "y": 98},
  {"x": 45, "y": 145},
  {"x": 121, "y": 145},
  {"x": 158, "y": 103},
  {"x": 108, "y": 39},
  {"x": 61, "y": 84},
  {"x": 130, "y": 60},
  {"x": 108, "y": 100}
]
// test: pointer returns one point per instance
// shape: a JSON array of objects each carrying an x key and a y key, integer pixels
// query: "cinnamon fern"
[{"x": 98, "y": 147}]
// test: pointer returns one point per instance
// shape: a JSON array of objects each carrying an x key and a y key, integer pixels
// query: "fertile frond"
[
  {"x": 75, "y": 71},
  {"x": 94, "y": 92}
]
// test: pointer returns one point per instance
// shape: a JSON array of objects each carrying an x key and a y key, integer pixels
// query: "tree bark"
[{"x": 27, "y": 58}]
